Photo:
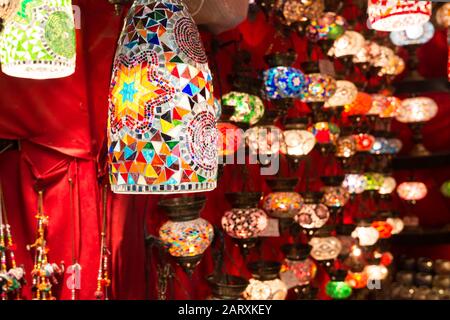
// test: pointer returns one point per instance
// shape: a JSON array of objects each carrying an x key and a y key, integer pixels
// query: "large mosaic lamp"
[
  {"x": 282, "y": 202},
  {"x": 248, "y": 108},
  {"x": 298, "y": 264},
  {"x": 38, "y": 41},
  {"x": 318, "y": 88},
  {"x": 8, "y": 8},
  {"x": 162, "y": 133},
  {"x": 395, "y": 15},
  {"x": 265, "y": 283},
  {"x": 313, "y": 214},
  {"x": 337, "y": 288},
  {"x": 283, "y": 82},
  {"x": 416, "y": 112},
  {"x": 185, "y": 235}
]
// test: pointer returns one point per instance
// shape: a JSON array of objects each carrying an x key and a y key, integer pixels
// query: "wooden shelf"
[{"x": 423, "y": 236}]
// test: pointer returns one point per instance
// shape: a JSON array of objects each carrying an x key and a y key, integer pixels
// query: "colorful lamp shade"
[
  {"x": 419, "y": 109},
  {"x": 247, "y": 108},
  {"x": 349, "y": 44},
  {"x": 395, "y": 15},
  {"x": 360, "y": 106},
  {"x": 8, "y": 8},
  {"x": 297, "y": 143},
  {"x": 384, "y": 58},
  {"x": 383, "y": 227},
  {"x": 383, "y": 106},
  {"x": 312, "y": 216},
  {"x": 337, "y": 288},
  {"x": 443, "y": 15},
  {"x": 394, "y": 146},
  {"x": 380, "y": 146},
  {"x": 366, "y": 234},
  {"x": 396, "y": 223},
  {"x": 355, "y": 183},
  {"x": 300, "y": 10},
  {"x": 412, "y": 191},
  {"x": 376, "y": 272},
  {"x": 346, "y": 93},
  {"x": 329, "y": 26},
  {"x": 367, "y": 52},
  {"x": 265, "y": 284},
  {"x": 318, "y": 87},
  {"x": 357, "y": 280},
  {"x": 388, "y": 185},
  {"x": 244, "y": 223},
  {"x": 298, "y": 264},
  {"x": 229, "y": 139},
  {"x": 335, "y": 196},
  {"x": 445, "y": 189},
  {"x": 325, "y": 248},
  {"x": 395, "y": 65},
  {"x": 265, "y": 140},
  {"x": 345, "y": 147},
  {"x": 38, "y": 42},
  {"x": 162, "y": 125},
  {"x": 374, "y": 181},
  {"x": 418, "y": 34},
  {"x": 364, "y": 142},
  {"x": 325, "y": 132},
  {"x": 282, "y": 204},
  {"x": 284, "y": 82}
]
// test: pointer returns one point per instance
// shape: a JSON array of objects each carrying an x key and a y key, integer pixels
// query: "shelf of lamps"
[
  {"x": 438, "y": 159},
  {"x": 423, "y": 236}
]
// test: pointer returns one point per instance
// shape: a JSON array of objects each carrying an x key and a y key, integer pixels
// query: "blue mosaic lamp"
[{"x": 284, "y": 82}]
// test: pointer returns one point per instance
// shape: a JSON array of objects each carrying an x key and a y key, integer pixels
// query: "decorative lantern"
[
  {"x": 380, "y": 146},
  {"x": 355, "y": 183},
  {"x": 297, "y": 142},
  {"x": 394, "y": 66},
  {"x": 415, "y": 35},
  {"x": 230, "y": 138},
  {"x": 265, "y": 284},
  {"x": 383, "y": 227},
  {"x": 394, "y": 146},
  {"x": 367, "y": 53},
  {"x": 384, "y": 58},
  {"x": 443, "y": 15},
  {"x": 360, "y": 106},
  {"x": 162, "y": 127},
  {"x": 312, "y": 214},
  {"x": 334, "y": 194},
  {"x": 318, "y": 87},
  {"x": 357, "y": 280},
  {"x": 346, "y": 93},
  {"x": 283, "y": 202},
  {"x": 365, "y": 233},
  {"x": 374, "y": 181},
  {"x": 325, "y": 132},
  {"x": 388, "y": 186},
  {"x": 325, "y": 247},
  {"x": 396, "y": 15},
  {"x": 345, "y": 145},
  {"x": 445, "y": 189},
  {"x": 295, "y": 11},
  {"x": 8, "y": 8},
  {"x": 348, "y": 44},
  {"x": 284, "y": 82},
  {"x": 297, "y": 262},
  {"x": 376, "y": 272},
  {"x": 329, "y": 26},
  {"x": 186, "y": 235},
  {"x": 337, "y": 288},
  {"x": 244, "y": 221},
  {"x": 383, "y": 106},
  {"x": 364, "y": 142},
  {"x": 248, "y": 108},
  {"x": 226, "y": 287},
  {"x": 412, "y": 191},
  {"x": 38, "y": 42},
  {"x": 396, "y": 222},
  {"x": 415, "y": 110}
]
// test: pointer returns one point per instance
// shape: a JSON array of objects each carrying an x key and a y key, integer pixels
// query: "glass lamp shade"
[
  {"x": 230, "y": 138},
  {"x": 420, "y": 109},
  {"x": 325, "y": 132},
  {"x": 380, "y": 146},
  {"x": 443, "y": 15},
  {"x": 360, "y": 106},
  {"x": 38, "y": 42},
  {"x": 312, "y": 216},
  {"x": 355, "y": 183},
  {"x": 374, "y": 181},
  {"x": 186, "y": 238},
  {"x": 300, "y": 10},
  {"x": 384, "y": 58},
  {"x": 394, "y": 146},
  {"x": 345, "y": 147},
  {"x": 247, "y": 108},
  {"x": 367, "y": 235},
  {"x": 383, "y": 106},
  {"x": 335, "y": 196},
  {"x": 325, "y": 248},
  {"x": 338, "y": 290},
  {"x": 8, "y": 8},
  {"x": 384, "y": 229},
  {"x": 395, "y": 66},
  {"x": 395, "y": 15},
  {"x": 418, "y": 34},
  {"x": 162, "y": 124},
  {"x": 265, "y": 290},
  {"x": 348, "y": 44},
  {"x": 445, "y": 189},
  {"x": 367, "y": 52},
  {"x": 297, "y": 143},
  {"x": 376, "y": 272},
  {"x": 303, "y": 270},
  {"x": 282, "y": 204},
  {"x": 329, "y": 26},
  {"x": 412, "y": 191},
  {"x": 357, "y": 280},
  {"x": 396, "y": 223},
  {"x": 284, "y": 82},
  {"x": 388, "y": 186},
  {"x": 244, "y": 223},
  {"x": 266, "y": 140},
  {"x": 346, "y": 93},
  {"x": 318, "y": 87},
  {"x": 364, "y": 142}
]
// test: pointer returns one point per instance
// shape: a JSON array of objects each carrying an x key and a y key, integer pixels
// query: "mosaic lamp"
[
  {"x": 226, "y": 287},
  {"x": 313, "y": 214},
  {"x": 162, "y": 124},
  {"x": 295, "y": 11},
  {"x": 348, "y": 44},
  {"x": 329, "y": 26},
  {"x": 394, "y": 145},
  {"x": 345, "y": 93},
  {"x": 383, "y": 227},
  {"x": 38, "y": 42},
  {"x": 377, "y": 272},
  {"x": 384, "y": 106},
  {"x": 318, "y": 88},
  {"x": 364, "y": 142},
  {"x": 284, "y": 82},
  {"x": 357, "y": 280},
  {"x": 8, "y": 8},
  {"x": 374, "y": 180},
  {"x": 396, "y": 222},
  {"x": 416, "y": 112},
  {"x": 355, "y": 183},
  {"x": 325, "y": 246},
  {"x": 297, "y": 141},
  {"x": 366, "y": 54},
  {"x": 298, "y": 264},
  {"x": 265, "y": 284},
  {"x": 334, "y": 194},
  {"x": 326, "y": 134},
  {"x": 380, "y": 146},
  {"x": 264, "y": 139},
  {"x": 445, "y": 189},
  {"x": 230, "y": 138},
  {"x": 337, "y": 288},
  {"x": 282, "y": 202},
  {"x": 360, "y": 106},
  {"x": 388, "y": 186},
  {"x": 396, "y": 15},
  {"x": 384, "y": 58},
  {"x": 185, "y": 235},
  {"x": 412, "y": 191},
  {"x": 248, "y": 108},
  {"x": 365, "y": 233},
  {"x": 415, "y": 35}
]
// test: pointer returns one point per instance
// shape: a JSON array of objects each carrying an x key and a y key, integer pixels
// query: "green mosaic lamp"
[{"x": 38, "y": 41}]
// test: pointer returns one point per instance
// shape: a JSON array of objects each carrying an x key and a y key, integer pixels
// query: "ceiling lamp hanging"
[
  {"x": 162, "y": 124},
  {"x": 415, "y": 35},
  {"x": 38, "y": 42},
  {"x": 8, "y": 8},
  {"x": 396, "y": 15}
]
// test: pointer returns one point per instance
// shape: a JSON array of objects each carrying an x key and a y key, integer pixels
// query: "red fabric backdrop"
[{"x": 61, "y": 125}]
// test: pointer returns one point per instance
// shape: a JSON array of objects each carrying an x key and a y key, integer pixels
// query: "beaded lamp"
[
  {"x": 8, "y": 8},
  {"x": 395, "y": 15},
  {"x": 412, "y": 191},
  {"x": 38, "y": 42},
  {"x": 248, "y": 108},
  {"x": 284, "y": 82},
  {"x": 349, "y": 44},
  {"x": 415, "y": 35}
]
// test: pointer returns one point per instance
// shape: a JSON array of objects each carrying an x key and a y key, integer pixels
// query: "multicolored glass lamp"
[
  {"x": 38, "y": 41},
  {"x": 412, "y": 191},
  {"x": 318, "y": 88},
  {"x": 313, "y": 214},
  {"x": 443, "y": 15},
  {"x": 365, "y": 232},
  {"x": 284, "y": 82},
  {"x": 282, "y": 202},
  {"x": 345, "y": 94},
  {"x": 415, "y": 35},
  {"x": 329, "y": 26},
  {"x": 396, "y": 222},
  {"x": 298, "y": 264},
  {"x": 335, "y": 196},
  {"x": 388, "y": 186},
  {"x": 265, "y": 284},
  {"x": 8, "y": 8},
  {"x": 445, "y": 189},
  {"x": 347, "y": 45},
  {"x": 230, "y": 136},
  {"x": 381, "y": 225},
  {"x": 360, "y": 106},
  {"x": 297, "y": 11},
  {"x": 326, "y": 134},
  {"x": 185, "y": 235},
  {"x": 397, "y": 15},
  {"x": 325, "y": 247},
  {"x": 162, "y": 135},
  {"x": 355, "y": 183},
  {"x": 297, "y": 140},
  {"x": 374, "y": 180},
  {"x": 248, "y": 108},
  {"x": 337, "y": 288}
]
